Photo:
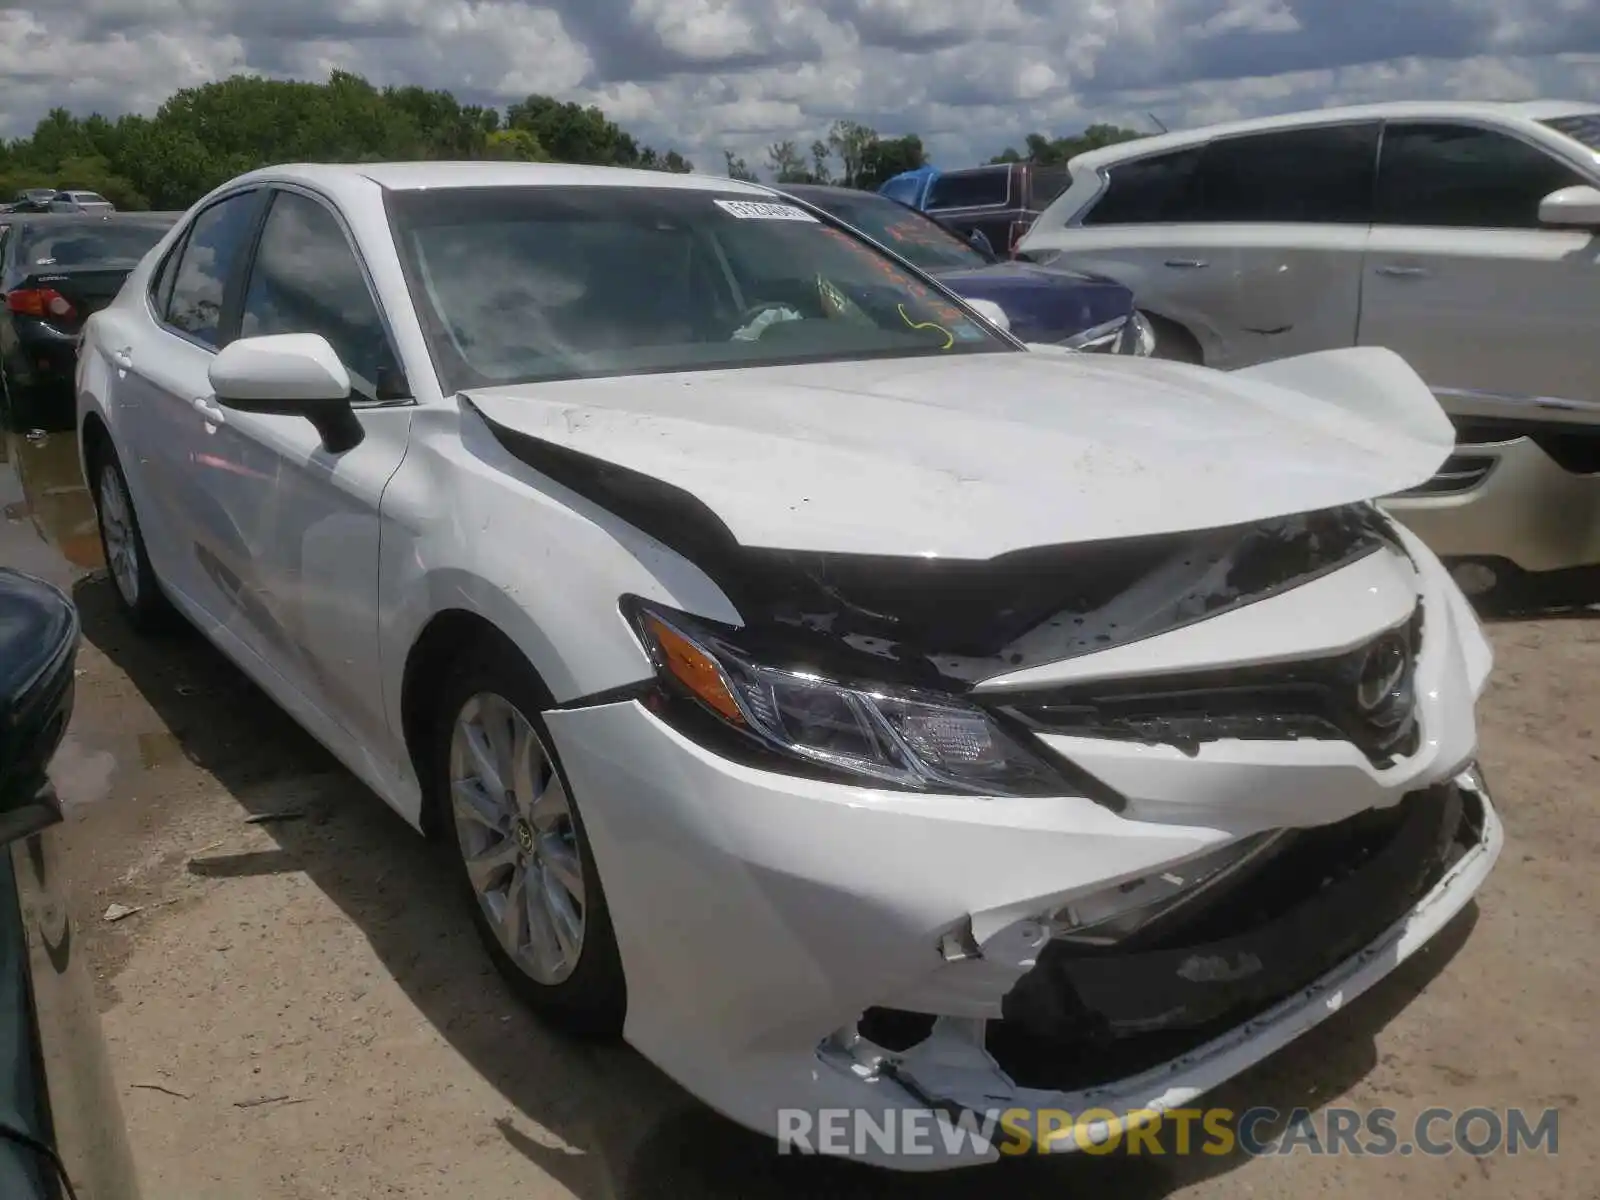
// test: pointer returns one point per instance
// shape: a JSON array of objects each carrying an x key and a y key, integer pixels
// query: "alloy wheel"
[
  {"x": 515, "y": 829},
  {"x": 116, "y": 525}
]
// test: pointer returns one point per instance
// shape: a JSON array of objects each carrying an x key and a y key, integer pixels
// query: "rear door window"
[
  {"x": 1464, "y": 177},
  {"x": 971, "y": 189},
  {"x": 206, "y": 264},
  {"x": 161, "y": 282},
  {"x": 1156, "y": 190},
  {"x": 1318, "y": 176}
]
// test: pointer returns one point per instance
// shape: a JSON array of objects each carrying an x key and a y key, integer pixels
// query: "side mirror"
[
  {"x": 991, "y": 312},
  {"x": 290, "y": 374},
  {"x": 981, "y": 243},
  {"x": 1572, "y": 208}
]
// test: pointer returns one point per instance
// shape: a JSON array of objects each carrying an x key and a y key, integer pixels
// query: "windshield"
[
  {"x": 916, "y": 238},
  {"x": 71, "y": 244},
  {"x": 520, "y": 284},
  {"x": 1584, "y": 127}
]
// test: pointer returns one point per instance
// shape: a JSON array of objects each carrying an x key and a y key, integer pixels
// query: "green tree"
[
  {"x": 515, "y": 144},
  {"x": 787, "y": 164},
  {"x": 1048, "y": 151},
  {"x": 737, "y": 168},
  {"x": 203, "y": 136},
  {"x": 884, "y": 158},
  {"x": 821, "y": 166},
  {"x": 574, "y": 134},
  {"x": 849, "y": 140}
]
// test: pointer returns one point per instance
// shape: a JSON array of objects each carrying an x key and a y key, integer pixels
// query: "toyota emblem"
[{"x": 1383, "y": 674}]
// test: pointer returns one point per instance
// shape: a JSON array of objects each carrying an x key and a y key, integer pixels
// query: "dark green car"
[{"x": 61, "y": 1130}]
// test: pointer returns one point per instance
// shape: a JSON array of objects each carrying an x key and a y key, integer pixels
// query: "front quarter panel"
[{"x": 468, "y": 527}]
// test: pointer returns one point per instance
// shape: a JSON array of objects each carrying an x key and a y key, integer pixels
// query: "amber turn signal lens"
[{"x": 695, "y": 669}]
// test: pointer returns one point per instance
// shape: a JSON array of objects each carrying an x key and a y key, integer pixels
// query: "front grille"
[
  {"x": 1365, "y": 697},
  {"x": 1460, "y": 473}
]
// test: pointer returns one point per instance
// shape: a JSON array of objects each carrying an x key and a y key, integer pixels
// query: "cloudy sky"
[{"x": 701, "y": 75}]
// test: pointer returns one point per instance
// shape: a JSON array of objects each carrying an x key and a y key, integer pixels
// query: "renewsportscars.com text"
[{"x": 1373, "y": 1132}]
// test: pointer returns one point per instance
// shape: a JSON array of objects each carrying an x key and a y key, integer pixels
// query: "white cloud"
[{"x": 704, "y": 75}]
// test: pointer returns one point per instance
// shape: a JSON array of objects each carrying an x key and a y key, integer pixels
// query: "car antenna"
[{"x": 1159, "y": 124}]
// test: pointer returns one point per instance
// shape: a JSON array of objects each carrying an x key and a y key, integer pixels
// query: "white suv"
[{"x": 1462, "y": 236}]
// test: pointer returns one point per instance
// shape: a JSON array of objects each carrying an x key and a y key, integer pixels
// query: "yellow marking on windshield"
[{"x": 949, "y": 338}]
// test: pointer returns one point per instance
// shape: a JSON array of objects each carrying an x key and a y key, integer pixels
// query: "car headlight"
[
  {"x": 895, "y": 737},
  {"x": 1138, "y": 336},
  {"x": 1105, "y": 338}
]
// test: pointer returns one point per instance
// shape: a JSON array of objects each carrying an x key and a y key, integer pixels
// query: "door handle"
[
  {"x": 208, "y": 409},
  {"x": 1397, "y": 272},
  {"x": 123, "y": 357},
  {"x": 1186, "y": 264}
]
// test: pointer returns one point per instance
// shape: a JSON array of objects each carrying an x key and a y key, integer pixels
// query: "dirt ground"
[{"x": 299, "y": 1009}]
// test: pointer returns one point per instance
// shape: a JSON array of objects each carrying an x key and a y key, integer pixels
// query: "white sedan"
[{"x": 849, "y": 705}]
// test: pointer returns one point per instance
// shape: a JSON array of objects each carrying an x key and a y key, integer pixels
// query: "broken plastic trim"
[
  {"x": 1084, "y": 1017},
  {"x": 1316, "y": 699},
  {"x": 1140, "y": 907},
  {"x": 953, "y": 623}
]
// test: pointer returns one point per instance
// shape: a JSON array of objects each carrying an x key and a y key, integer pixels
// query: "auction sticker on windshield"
[{"x": 758, "y": 211}]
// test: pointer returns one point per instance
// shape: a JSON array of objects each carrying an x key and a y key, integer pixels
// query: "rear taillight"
[{"x": 40, "y": 302}]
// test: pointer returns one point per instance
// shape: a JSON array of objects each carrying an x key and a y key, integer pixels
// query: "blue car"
[
  {"x": 1084, "y": 311},
  {"x": 910, "y": 187}
]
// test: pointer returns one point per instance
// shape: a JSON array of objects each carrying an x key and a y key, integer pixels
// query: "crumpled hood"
[{"x": 971, "y": 456}]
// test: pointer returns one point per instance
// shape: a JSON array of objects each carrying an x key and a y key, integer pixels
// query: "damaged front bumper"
[
  {"x": 765, "y": 920},
  {"x": 1143, "y": 1032}
]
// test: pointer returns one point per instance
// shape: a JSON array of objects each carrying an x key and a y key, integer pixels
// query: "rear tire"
[
  {"x": 133, "y": 579},
  {"x": 510, "y": 825}
]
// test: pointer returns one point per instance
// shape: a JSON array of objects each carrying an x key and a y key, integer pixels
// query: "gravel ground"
[{"x": 299, "y": 1008}]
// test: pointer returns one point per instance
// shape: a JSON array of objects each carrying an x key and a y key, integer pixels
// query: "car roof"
[
  {"x": 417, "y": 176},
  {"x": 991, "y": 167},
  {"x": 1401, "y": 110}
]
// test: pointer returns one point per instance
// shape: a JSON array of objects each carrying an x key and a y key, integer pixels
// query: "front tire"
[
  {"x": 517, "y": 844},
  {"x": 1174, "y": 342},
  {"x": 138, "y": 591}
]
